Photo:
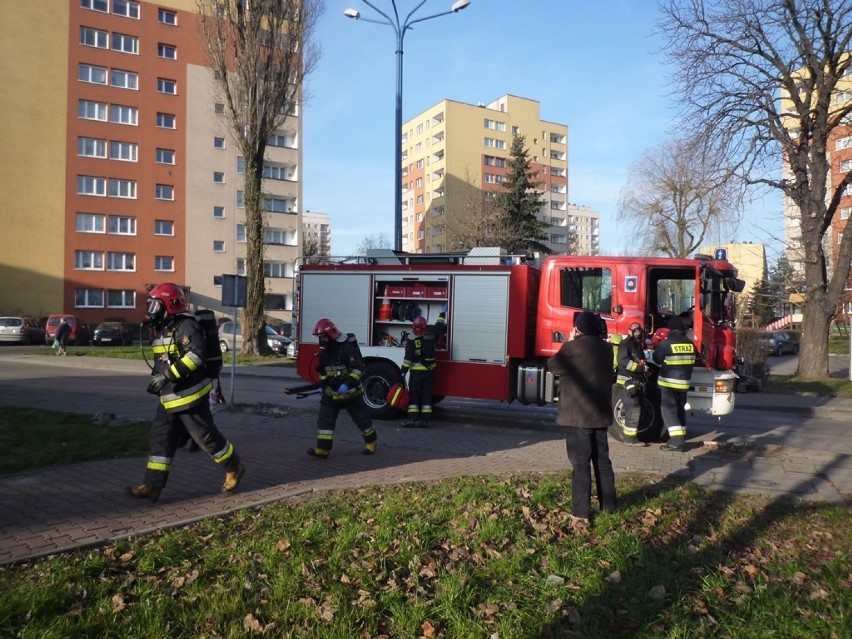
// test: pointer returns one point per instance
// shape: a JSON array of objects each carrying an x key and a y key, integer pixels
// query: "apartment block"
[
  {"x": 316, "y": 233},
  {"x": 120, "y": 166},
  {"x": 455, "y": 154}
]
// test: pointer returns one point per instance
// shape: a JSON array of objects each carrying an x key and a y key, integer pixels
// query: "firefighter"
[
  {"x": 340, "y": 369},
  {"x": 631, "y": 372},
  {"x": 180, "y": 380},
  {"x": 420, "y": 360},
  {"x": 675, "y": 356}
]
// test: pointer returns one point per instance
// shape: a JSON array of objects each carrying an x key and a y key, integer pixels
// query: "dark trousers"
[
  {"x": 327, "y": 420},
  {"x": 420, "y": 392},
  {"x": 672, "y": 403},
  {"x": 168, "y": 432},
  {"x": 632, "y": 411},
  {"x": 588, "y": 449}
]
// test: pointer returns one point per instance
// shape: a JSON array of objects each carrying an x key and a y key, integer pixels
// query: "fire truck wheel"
[
  {"x": 649, "y": 430},
  {"x": 379, "y": 376}
]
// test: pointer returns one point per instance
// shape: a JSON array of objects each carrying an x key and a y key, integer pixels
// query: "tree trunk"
[{"x": 254, "y": 311}]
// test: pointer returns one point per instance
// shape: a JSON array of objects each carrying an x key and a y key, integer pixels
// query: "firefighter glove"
[
  {"x": 157, "y": 383},
  {"x": 342, "y": 389}
]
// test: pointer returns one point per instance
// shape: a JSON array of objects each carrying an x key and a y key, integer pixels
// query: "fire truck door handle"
[{"x": 558, "y": 336}]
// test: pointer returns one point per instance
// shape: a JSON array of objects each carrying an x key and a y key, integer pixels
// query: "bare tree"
[
  {"x": 761, "y": 78},
  {"x": 675, "y": 194},
  {"x": 260, "y": 52},
  {"x": 474, "y": 223},
  {"x": 380, "y": 241}
]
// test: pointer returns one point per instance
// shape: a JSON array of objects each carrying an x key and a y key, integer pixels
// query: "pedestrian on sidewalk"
[
  {"x": 340, "y": 368},
  {"x": 63, "y": 332},
  {"x": 419, "y": 363},
  {"x": 180, "y": 380},
  {"x": 675, "y": 355},
  {"x": 584, "y": 367}
]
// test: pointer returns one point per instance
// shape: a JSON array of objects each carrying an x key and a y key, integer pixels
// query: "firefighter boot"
[
  {"x": 369, "y": 447},
  {"x": 675, "y": 444},
  {"x": 232, "y": 478},
  {"x": 144, "y": 491},
  {"x": 319, "y": 453}
]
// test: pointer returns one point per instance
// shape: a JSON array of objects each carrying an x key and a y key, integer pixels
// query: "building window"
[
  {"x": 277, "y": 269},
  {"x": 123, "y": 79},
  {"x": 490, "y": 160},
  {"x": 121, "y": 299},
  {"x": 166, "y": 17},
  {"x": 165, "y": 120},
  {"x": 124, "y": 151},
  {"x": 218, "y": 246},
  {"x": 844, "y": 212},
  {"x": 420, "y": 164},
  {"x": 218, "y": 177},
  {"x": 88, "y": 260},
  {"x": 166, "y": 86},
  {"x": 241, "y": 200},
  {"x": 90, "y": 223},
  {"x": 95, "y": 5},
  {"x": 846, "y": 166},
  {"x": 88, "y": 185},
  {"x": 91, "y": 73},
  {"x": 241, "y": 266},
  {"x": 287, "y": 141},
  {"x": 122, "y": 225},
  {"x": 94, "y": 38},
  {"x": 122, "y": 188},
  {"x": 89, "y": 298},
  {"x": 218, "y": 143},
  {"x": 167, "y": 51},
  {"x": 126, "y": 8},
  {"x": 218, "y": 211},
  {"x": 495, "y": 144},
  {"x": 165, "y": 156},
  {"x": 164, "y": 227},
  {"x": 88, "y": 110},
  {"x": 279, "y": 205},
  {"x": 121, "y": 262},
  {"x": 843, "y": 143},
  {"x": 164, "y": 263},
  {"x": 165, "y": 192},
  {"x": 494, "y": 125},
  {"x": 125, "y": 43},
  {"x": 119, "y": 114},
  {"x": 241, "y": 233},
  {"x": 91, "y": 148}
]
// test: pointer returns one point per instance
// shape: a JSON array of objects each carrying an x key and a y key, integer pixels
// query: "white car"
[{"x": 21, "y": 330}]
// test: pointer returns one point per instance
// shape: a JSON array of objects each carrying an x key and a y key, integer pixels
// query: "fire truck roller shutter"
[
  {"x": 480, "y": 317},
  {"x": 334, "y": 295}
]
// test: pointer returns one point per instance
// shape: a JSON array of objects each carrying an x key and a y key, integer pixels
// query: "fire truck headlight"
[{"x": 724, "y": 386}]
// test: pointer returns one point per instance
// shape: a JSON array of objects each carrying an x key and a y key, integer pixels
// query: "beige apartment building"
[
  {"x": 316, "y": 233},
  {"x": 454, "y": 152},
  {"x": 118, "y": 165}
]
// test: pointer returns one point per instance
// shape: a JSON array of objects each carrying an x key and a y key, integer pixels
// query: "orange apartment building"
[{"x": 119, "y": 164}]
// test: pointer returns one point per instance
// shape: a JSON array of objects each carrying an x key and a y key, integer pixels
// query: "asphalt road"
[{"x": 77, "y": 384}]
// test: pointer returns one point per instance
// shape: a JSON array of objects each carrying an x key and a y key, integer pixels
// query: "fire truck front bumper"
[{"x": 712, "y": 392}]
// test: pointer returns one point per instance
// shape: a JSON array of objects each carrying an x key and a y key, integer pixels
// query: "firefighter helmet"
[
  {"x": 165, "y": 298},
  {"x": 326, "y": 327},
  {"x": 418, "y": 326},
  {"x": 659, "y": 335},
  {"x": 635, "y": 328}
]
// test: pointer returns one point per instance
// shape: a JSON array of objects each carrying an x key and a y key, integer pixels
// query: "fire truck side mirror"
[{"x": 558, "y": 336}]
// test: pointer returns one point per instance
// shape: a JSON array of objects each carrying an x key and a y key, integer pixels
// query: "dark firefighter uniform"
[
  {"x": 341, "y": 369},
  {"x": 630, "y": 380},
  {"x": 420, "y": 360},
  {"x": 675, "y": 356},
  {"x": 179, "y": 354}
]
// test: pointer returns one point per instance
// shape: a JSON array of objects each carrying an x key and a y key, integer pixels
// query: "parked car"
[
  {"x": 21, "y": 330},
  {"x": 80, "y": 335},
  {"x": 780, "y": 342},
  {"x": 112, "y": 334},
  {"x": 278, "y": 343}
]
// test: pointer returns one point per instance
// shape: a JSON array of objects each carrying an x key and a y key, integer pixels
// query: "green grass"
[
  {"x": 789, "y": 385},
  {"x": 474, "y": 557},
  {"x": 32, "y": 438},
  {"x": 136, "y": 353}
]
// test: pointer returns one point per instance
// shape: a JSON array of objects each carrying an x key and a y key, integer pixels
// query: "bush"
[{"x": 751, "y": 346}]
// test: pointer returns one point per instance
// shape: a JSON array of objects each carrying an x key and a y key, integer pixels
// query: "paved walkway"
[{"x": 56, "y": 509}]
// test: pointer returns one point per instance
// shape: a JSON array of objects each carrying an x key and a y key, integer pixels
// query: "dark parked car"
[
  {"x": 112, "y": 334},
  {"x": 780, "y": 343},
  {"x": 21, "y": 330}
]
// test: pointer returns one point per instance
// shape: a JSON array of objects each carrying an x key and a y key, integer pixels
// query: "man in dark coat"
[{"x": 584, "y": 367}]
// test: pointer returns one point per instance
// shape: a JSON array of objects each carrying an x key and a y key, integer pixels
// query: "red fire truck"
[{"x": 505, "y": 315}]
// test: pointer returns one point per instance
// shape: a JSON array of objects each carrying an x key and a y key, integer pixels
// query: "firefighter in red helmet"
[
  {"x": 180, "y": 380},
  {"x": 340, "y": 369},
  {"x": 420, "y": 360}
]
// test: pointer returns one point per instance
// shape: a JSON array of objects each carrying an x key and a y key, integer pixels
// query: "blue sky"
[{"x": 593, "y": 65}]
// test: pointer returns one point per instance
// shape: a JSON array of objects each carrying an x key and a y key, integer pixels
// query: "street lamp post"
[{"x": 400, "y": 27}]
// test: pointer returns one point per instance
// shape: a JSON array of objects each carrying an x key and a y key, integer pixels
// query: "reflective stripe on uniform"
[
  {"x": 674, "y": 383},
  {"x": 162, "y": 464},
  {"x": 325, "y": 434},
  {"x": 224, "y": 454},
  {"x": 186, "y": 396}
]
